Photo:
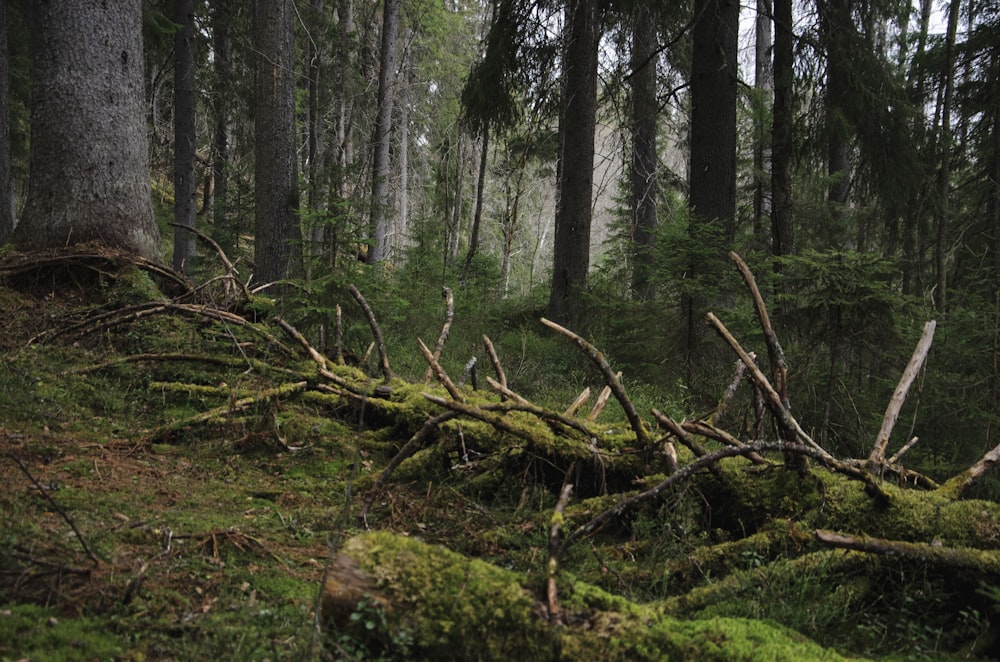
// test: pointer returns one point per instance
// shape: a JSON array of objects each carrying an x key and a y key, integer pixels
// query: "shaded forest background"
[{"x": 848, "y": 149}]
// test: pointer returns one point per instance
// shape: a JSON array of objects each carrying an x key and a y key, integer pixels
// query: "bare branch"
[
  {"x": 376, "y": 332},
  {"x": 449, "y": 316}
]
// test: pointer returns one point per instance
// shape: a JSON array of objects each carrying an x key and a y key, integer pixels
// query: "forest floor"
[{"x": 177, "y": 486}]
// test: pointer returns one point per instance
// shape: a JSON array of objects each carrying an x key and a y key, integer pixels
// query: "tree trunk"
[
  {"x": 404, "y": 165},
  {"x": 764, "y": 84},
  {"x": 782, "y": 146},
  {"x": 835, "y": 16},
  {"x": 184, "y": 137},
  {"x": 578, "y": 120},
  {"x": 944, "y": 173},
  {"x": 221, "y": 75},
  {"x": 277, "y": 243},
  {"x": 380, "y": 221},
  {"x": 645, "y": 186},
  {"x": 89, "y": 170},
  {"x": 477, "y": 216},
  {"x": 8, "y": 218}
]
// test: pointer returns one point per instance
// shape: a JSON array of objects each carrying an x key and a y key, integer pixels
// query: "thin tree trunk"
[
  {"x": 764, "y": 84},
  {"x": 184, "y": 137},
  {"x": 222, "y": 75},
  {"x": 645, "y": 186},
  {"x": 782, "y": 239},
  {"x": 404, "y": 165},
  {"x": 380, "y": 221},
  {"x": 477, "y": 216},
  {"x": 8, "y": 218},
  {"x": 836, "y": 18},
  {"x": 944, "y": 173}
]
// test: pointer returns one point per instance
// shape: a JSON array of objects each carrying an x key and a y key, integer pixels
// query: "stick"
[
  {"x": 320, "y": 360},
  {"x": 376, "y": 332},
  {"x": 469, "y": 373},
  {"x": 59, "y": 509},
  {"x": 439, "y": 371},
  {"x": 877, "y": 456},
  {"x": 602, "y": 399},
  {"x": 772, "y": 399},
  {"x": 641, "y": 436},
  {"x": 902, "y": 451},
  {"x": 579, "y": 402},
  {"x": 495, "y": 360},
  {"x": 449, "y": 316},
  {"x": 775, "y": 355},
  {"x": 506, "y": 393},
  {"x": 551, "y": 590}
]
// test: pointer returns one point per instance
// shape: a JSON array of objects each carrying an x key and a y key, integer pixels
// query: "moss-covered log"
[{"x": 435, "y": 604}]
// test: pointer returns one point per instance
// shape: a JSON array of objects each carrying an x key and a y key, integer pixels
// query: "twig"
[
  {"x": 877, "y": 456},
  {"x": 610, "y": 378},
  {"x": 551, "y": 590},
  {"x": 439, "y": 371},
  {"x": 495, "y": 360},
  {"x": 602, "y": 399},
  {"x": 449, "y": 316},
  {"x": 376, "y": 332},
  {"x": 59, "y": 509}
]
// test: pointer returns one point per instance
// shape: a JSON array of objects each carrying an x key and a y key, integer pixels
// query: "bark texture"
[
  {"x": 184, "y": 137},
  {"x": 278, "y": 240},
  {"x": 89, "y": 169}
]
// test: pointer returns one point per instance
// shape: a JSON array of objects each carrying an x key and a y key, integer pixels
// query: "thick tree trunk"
[
  {"x": 184, "y": 137},
  {"x": 782, "y": 146},
  {"x": 380, "y": 220},
  {"x": 89, "y": 171},
  {"x": 571, "y": 260},
  {"x": 645, "y": 187},
  {"x": 277, "y": 243}
]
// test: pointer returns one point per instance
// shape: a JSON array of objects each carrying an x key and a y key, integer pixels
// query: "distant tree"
[
  {"x": 836, "y": 26},
  {"x": 644, "y": 182},
  {"x": 7, "y": 216},
  {"x": 184, "y": 136},
  {"x": 89, "y": 164},
  {"x": 782, "y": 145},
  {"x": 222, "y": 74},
  {"x": 277, "y": 240},
  {"x": 380, "y": 220},
  {"x": 577, "y": 125}
]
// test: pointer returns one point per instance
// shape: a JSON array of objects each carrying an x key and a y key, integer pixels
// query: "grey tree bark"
[
  {"x": 764, "y": 88},
  {"x": 380, "y": 207},
  {"x": 571, "y": 260},
  {"x": 278, "y": 241},
  {"x": 89, "y": 164},
  {"x": 185, "y": 240}
]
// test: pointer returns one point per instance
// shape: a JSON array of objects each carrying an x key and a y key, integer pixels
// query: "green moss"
[{"x": 41, "y": 634}]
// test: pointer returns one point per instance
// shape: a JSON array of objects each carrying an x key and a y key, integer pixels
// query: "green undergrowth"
[{"x": 148, "y": 515}]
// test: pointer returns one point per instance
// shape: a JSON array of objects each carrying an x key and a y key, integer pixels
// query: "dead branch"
[
  {"x": 318, "y": 358},
  {"x": 505, "y": 392},
  {"x": 231, "y": 273},
  {"x": 376, "y": 332},
  {"x": 727, "y": 396},
  {"x": 877, "y": 457},
  {"x": 579, "y": 402},
  {"x": 449, "y": 316},
  {"x": 610, "y": 378},
  {"x": 616, "y": 511},
  {"x": 478, "y": 413},
  {"x": 59, "y": 509},
  {"x": 230, "y": 408},
  {"x": 551, "y": 590},
  {"x": 408, "y": 449},
  {"x": 674, "y": 428},
  {"x": 775, "y": 354},
  {"x": 706, "y": 429},
  {"x": 495, "y": 360},
  {"x": 439, "y": 371},
  {"x": 773, "y": 398},
  {"x": 902, "y": 451},
  {"x": 602, "y": 400},
  {"x": 339, "y": 337},
  {"x": 984, "y": 561},
  {"x": 956, "y": 485},
  {"x": 469, "y": 374}
]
